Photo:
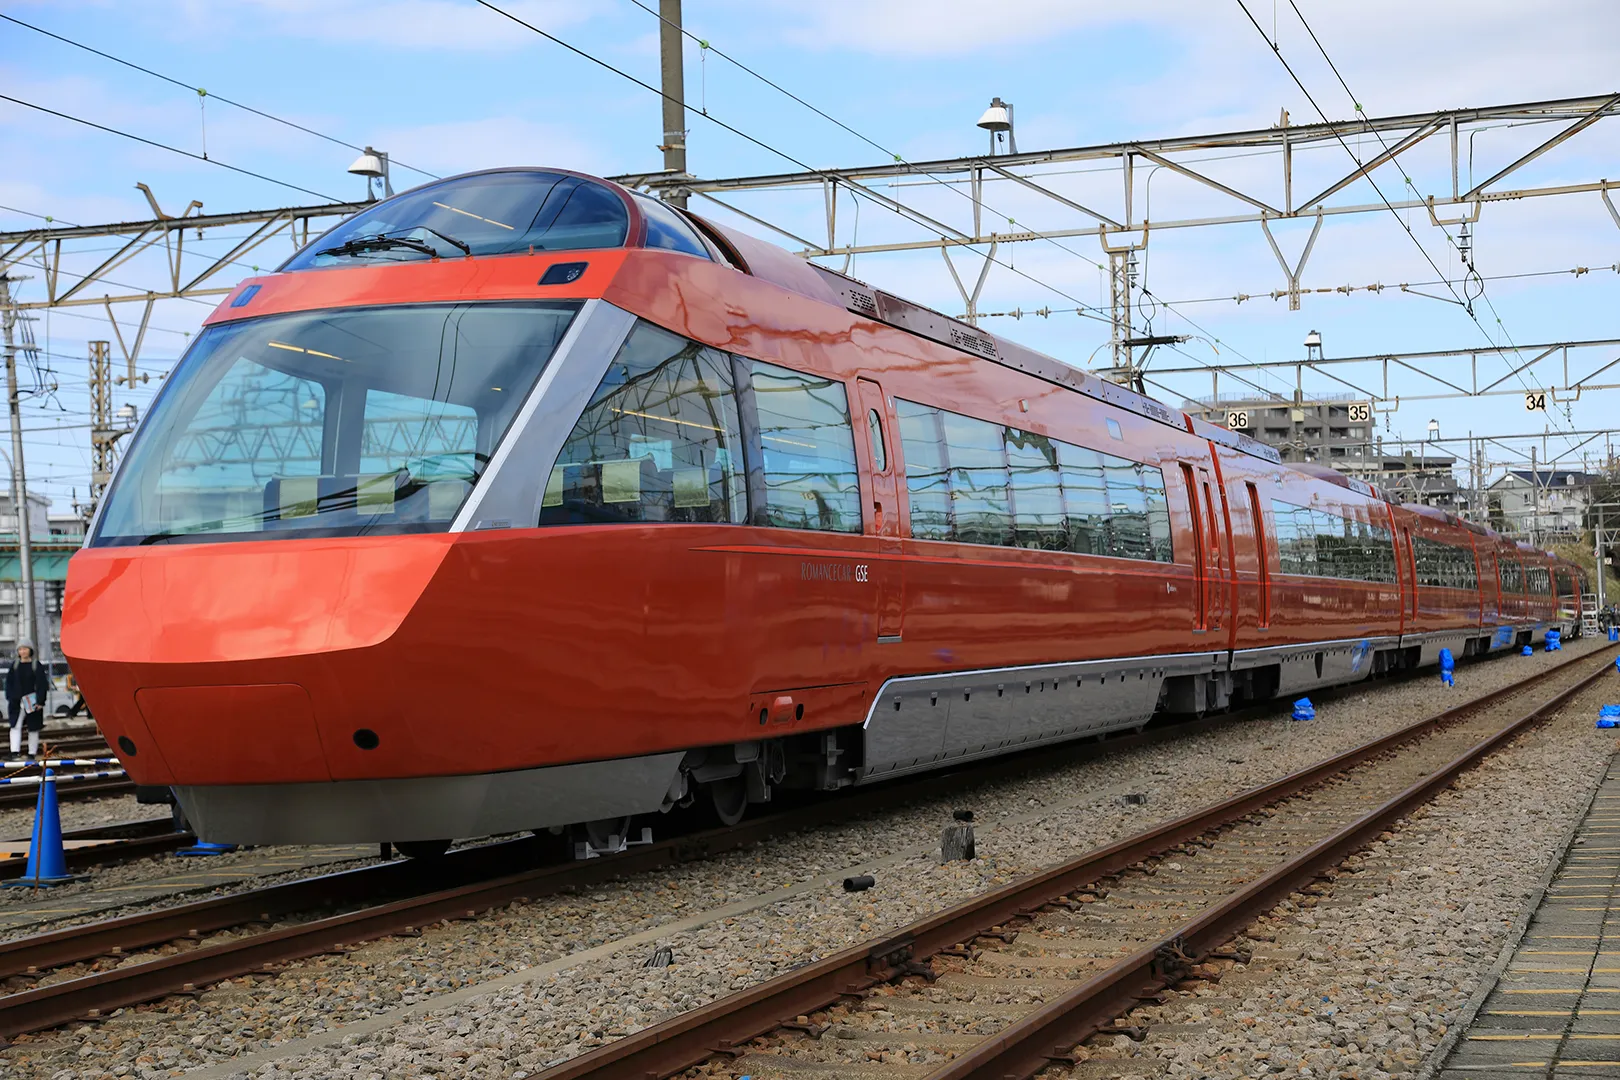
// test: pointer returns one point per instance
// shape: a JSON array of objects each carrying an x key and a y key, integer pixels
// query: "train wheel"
[
  {"x": 422, "y": 849},
  {"x": 729, "y": 798}
]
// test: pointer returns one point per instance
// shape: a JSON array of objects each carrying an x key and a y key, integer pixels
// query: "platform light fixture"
[
  {"x": 998, "y": 121},
  {"x": 373, "y": 165}
]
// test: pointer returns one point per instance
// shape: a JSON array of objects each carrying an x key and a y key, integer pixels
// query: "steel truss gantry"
[
  {"x": 911, "y": 192},
  {"x": 1565, "y": 387}
]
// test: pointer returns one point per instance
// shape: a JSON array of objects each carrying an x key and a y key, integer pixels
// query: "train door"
[
  {"x": 1214, "y": 514},
  {"x": 1200, "y": 546},
  {"x": 887, "y": 571},
  {"x": 1265, "y": 555},
  {"x": 1411, "y": 567}
]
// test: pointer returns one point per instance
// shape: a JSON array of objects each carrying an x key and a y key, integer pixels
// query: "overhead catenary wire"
[
  {"x": 1395, "y": 159},
  {"x": 171, "y": 149},
  {"x": 1081, "y": 308},
  {"x": 745, "y": 136},
  {"x": 1277, "y": 51},
  {"x": 203, "y": 93}
]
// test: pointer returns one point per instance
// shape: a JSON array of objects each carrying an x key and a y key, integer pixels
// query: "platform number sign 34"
[
  {"x": 1535, "y": 401},
  {"x": 1237, "y": 419}
]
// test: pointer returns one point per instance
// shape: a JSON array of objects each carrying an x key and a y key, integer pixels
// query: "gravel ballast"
[
  {"x": 781, "y": 908},
  {"x": 1367, "y": 979}
]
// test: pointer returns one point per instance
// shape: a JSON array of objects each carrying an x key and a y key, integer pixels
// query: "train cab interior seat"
[
  {"x": 631, "y": 489},
  {"x": 393, "y": 496}
]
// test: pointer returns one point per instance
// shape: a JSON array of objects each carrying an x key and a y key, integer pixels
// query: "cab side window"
[
  {"x": 659, "y": 441},
  {"x": 667, "y": 229}
]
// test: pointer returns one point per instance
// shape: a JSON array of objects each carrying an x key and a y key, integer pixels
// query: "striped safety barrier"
[
  {"x": 57, "y": 763},
  {"x": 23, "y": 781}
]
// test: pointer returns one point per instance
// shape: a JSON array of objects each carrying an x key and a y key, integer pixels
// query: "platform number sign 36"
[
  {"x": 1237, "y": 419},
  {"x": 1535, "y": 401},
  {"x": 1360, "y": 412}
]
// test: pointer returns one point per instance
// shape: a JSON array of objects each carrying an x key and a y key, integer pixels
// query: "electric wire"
[
  {"x": 767, "y": 147},
  {"x": 1081, "y": 308},
  {"x": 1277, "y": 51},
  {"x": 171, "y": 149},
  {"x": 201, "y": 92}
]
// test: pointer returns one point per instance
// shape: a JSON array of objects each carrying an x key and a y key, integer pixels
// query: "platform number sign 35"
[
  {"x": 1360, "y": 412},
  {"x": 1535, "y": 401},
  {"x": 1237, "y": 419}
]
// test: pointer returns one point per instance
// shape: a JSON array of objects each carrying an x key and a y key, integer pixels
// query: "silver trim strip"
[
  {"x": 431, "y": 807},
  {"x": 582, "y": 356},
  {"x": 1167, "y": 663}
]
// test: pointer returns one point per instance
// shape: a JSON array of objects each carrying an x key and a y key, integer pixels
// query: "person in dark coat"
[{"x": 27, "y": 684}]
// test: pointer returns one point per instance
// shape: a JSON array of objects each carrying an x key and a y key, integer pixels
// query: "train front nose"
[{"x": 197, "y": 658}]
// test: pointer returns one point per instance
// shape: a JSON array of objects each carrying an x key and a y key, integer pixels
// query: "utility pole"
[
  {"x": 1535, "y": 499},
  {"x": 28, "y": 630},
  {"x": 1598, "y": 544},
  {"x": 672, "y": 75}
]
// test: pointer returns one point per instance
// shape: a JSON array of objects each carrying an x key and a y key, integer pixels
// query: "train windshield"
[
  {"x": 330, "y": 423},
  {"x": 496, "y": 213}
]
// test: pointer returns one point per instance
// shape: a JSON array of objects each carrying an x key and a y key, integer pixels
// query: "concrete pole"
[
  {"x": 672, "y": 75},
  {"x": 1597, "y": 543},
  {"x": 29, "y": 629}
]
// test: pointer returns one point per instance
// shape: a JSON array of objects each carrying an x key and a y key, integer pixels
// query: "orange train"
[{"x": 524, "y": 501}]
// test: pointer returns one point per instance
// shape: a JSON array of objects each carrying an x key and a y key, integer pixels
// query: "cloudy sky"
[{"x": 447, "y": 85}]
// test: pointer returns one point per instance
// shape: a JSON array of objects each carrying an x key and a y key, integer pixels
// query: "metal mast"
[
  {"x": 672, "y": 75},
  {"x": 29, "y": 630},
  {"x": 102, "y": 436}
]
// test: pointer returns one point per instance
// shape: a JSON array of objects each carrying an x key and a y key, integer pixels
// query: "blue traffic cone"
[{"x": 47, "y": 859}]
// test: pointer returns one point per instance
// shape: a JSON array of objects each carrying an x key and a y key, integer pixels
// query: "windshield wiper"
[
  {"x": 381, "y": 242},
  {"x": 465, "y": 249},
  {"x": 384, "y": 242}
]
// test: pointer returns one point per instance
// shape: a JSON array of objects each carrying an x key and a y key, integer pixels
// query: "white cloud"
[{"x": 490, "y": 142}]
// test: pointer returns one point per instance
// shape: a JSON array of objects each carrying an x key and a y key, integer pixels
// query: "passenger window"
[
  {"x": 1085, "y": 500},
  {"x": 659, "y": 440},
  {"x": 666, "y": 229},
  {"x": 1127, "y": 510},
  {"x": 1037, "y": 491},
  {"x": 982, "y": 483},
  {"x": 927, "y": 479},
  {"x": 811, "y": 481},
  {"x": 880, "y": 455},
  {"x": 978, "y": 474},
  {"x": 1158, "y": 514}
]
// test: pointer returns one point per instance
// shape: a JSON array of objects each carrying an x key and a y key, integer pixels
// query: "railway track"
[
  {"x": 122, "y": 840},
  {"x": 67, "y": 791},
  {"x": 400, "y": 897},
  {"x": 1011, "y": 982}
]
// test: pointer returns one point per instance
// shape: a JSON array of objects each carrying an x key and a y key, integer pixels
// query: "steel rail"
[
  {"x": 472, "y": 890},
  {"x": 111, "y": 936},
  {"x": 83, "y": 789},
  {"x": 116, "y": 849},
  {"x": 1035, "y": 1042}
]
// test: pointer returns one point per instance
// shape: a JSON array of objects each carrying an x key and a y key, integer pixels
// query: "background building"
[
  {"x": 55, "y": 538},
  {"x": 1322, "y": 430},
  {"x": 1543, "y": 505}
]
